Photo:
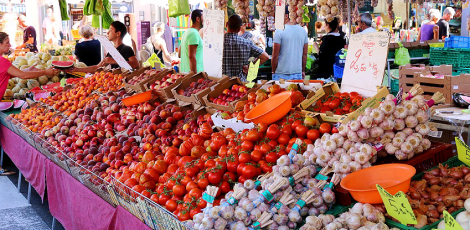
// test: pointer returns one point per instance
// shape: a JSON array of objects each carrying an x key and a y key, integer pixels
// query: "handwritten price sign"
[
  {"x": 463, "y": 151},
  {"x": 213, "y": 42},
  {"x": 398, "y": 206},
  {"x": 365, "y": 62},
  {"x": 450, "y": 222}
]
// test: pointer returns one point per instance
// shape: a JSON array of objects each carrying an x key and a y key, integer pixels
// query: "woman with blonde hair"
[
  {"x": 430, "y": 29},
  {"x": 159, "y": 44},
  {"x": 88, "y": 50}
]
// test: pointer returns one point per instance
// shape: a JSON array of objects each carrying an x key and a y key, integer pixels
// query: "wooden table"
[{"x": 459, "y": 122}]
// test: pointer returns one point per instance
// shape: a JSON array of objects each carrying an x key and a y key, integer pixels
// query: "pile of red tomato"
[{"x": 338, "y": 103}]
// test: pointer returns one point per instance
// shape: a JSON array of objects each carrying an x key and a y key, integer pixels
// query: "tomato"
[
  {"x": 225, "y": 187},
  {"x": 262, "y": 127},
  {"x": 186, "y": 159},
  {"x": 334, "y": 130},
  {"x": 301, "y": 130},
  {"x": 171, "y": 205},
  {"x": 334, "y": 104},
  {"x": 205, "y": 130},
  {"x": 249, "y": 171},
  {"x": 286, "y": 130},
  {"x": 223, "y": 151},
  {"x": 172, "y": 169},
  {"x": 230, "y": 176},
  {"x": 313, "y": 134},
  {"x": 256, "y": 156},
  {"x": 202, "y": 183},
  {"x": 240, "y": 168},
  {"x": 325, "y": 109},
  {"x": 197, "y": 151},
  {"x": 244, "y": 158},
  {"x": 233, "y": 152},
  {"x": 273, "y": 132},
  {"x": 146, "y": 193},
  {"x": 184, "y": 214},
  {"x": 266, "y": 168},
  {"x": 353, "y": 94},
  {"x": 195, "y": 192},
  {"x": 195, "y": 211},
  {"x": 155, "y": 198},
  {"x": 160, "y": 166},
  {"x": 201, "y": 203},
  {"x": 191, "y": 185},
  {"x": 344, "y": 96},
  {"x": 209, "y": 163},
  {"x": 185, "y": 148},
  {"x": 217, "y": 141},
  {"x": 199, "y": 164},
  {"x": 295, "y": 124},
  {"x": 185, "y": 180},
  {"x": 325, "y": 128},
  {"x": 247, "y": 145},
  {"x": 191, "y": 171},
  {"x": 283, "y": 138},
  {"x": 346, "y": 108},
  {"x": 221, "y": 164},
  {"x": 214, "y": 178},
  {"x": 272, "y": 157},
  {"x": 281, "y": 153},
  {"x": 163, "y": 199},
  {"x": 232, "y": 166},
  {"x": 265, "y": 148},
  {"x": 179, "y": 190},
  {"x": 252, "y": 135}
]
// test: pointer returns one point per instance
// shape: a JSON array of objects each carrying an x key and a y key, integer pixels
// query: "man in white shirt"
[{"x": 365, "y": 24}]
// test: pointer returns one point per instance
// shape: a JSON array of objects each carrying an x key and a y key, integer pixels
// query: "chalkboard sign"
[
  {"x": 365, "y": 63},
  {"x": 213, "y": 32}
]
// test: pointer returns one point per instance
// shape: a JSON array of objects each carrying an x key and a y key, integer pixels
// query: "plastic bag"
[
  {"x": 178, "y": 7},
  {"x": 152, "y": 60},
  {"x": 402, "y": 57}
]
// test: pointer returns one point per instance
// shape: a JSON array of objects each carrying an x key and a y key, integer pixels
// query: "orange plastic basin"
[
  {"x": 138, "y": 98},
  {"x": 271, "y": 110},
  {"x": 392, "y": 177}
]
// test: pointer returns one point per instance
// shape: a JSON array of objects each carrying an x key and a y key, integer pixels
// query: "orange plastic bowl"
[
  {"x": 138, "y": 98},
  {"x": 271, "y": 110},
  {"x": 392, "y": 177}
]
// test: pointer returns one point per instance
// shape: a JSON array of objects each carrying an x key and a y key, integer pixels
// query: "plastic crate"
[
  {"x": 395, "y": 86},
  {"x": 391, "y": 54},
  {"x": 418, "y": 52},
  {"x": 438, "y": 153},
  {"x": 338, "y": 71},
  {"x": 457, "y": 71},
  {"x": 436, "y": 45},
  {"x": 457, "y": 57},
  {"x": 457, "y": 42},
  {"x": 452, "y": 162}
]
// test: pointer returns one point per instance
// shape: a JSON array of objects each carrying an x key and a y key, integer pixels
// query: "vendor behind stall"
[
  {"x": 331, "y": 43},
  {"x": 29, "y": 35},
  {"x": 289, "y": 51},
  {"x": 238, "y": 50}
]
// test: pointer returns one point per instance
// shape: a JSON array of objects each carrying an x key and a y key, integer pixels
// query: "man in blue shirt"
[{"x": 289, "y": 51}]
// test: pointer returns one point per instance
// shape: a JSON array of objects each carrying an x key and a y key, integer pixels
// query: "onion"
[
  {"x": 465, "y": 170},
  {"x": 448, "y": 199},
  {"x": 456, "y": 174},
  {"x": 434, "y": 172},
  {"x": 433, "y": 214}
]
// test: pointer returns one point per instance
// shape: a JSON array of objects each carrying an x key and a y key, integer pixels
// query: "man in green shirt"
[{"x": 191, "y": 48}]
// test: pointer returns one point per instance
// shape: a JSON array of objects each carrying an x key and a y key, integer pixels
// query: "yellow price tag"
[
  {"x": 63, "y": 81},
  {"x": 252, "y": 74},
  {"x": 398, "y": 206},
  {"x": 463, "y": 151},
  {"x": 451, "y": 223}
]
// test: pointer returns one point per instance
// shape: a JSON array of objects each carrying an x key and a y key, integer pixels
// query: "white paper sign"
[
  {"x": 279, "y": 16},
  {"x": 365, "y": 63},
  {"x": 213, "y": 41},
  {"x": 109, "y": 47}
]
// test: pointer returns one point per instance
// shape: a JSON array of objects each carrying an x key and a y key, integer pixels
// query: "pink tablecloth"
[
  {"x": 27, "y": 159},
  {"x": 124, "y": 220}
]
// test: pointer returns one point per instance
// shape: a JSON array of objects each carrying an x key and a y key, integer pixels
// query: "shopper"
[
  {"x": 88, "y": 50},
  {"x": 29, "y": 35},
  {"x": 365, "y": 23},
  {"x": 191, "y": 48},
  {"x": 245, "y": 34},
  {"x": 443, "y": 23},
  {"x": 258, "y": 37},
  {"x": 331, "y": 43},
  {"x": 289, "y": 51},
  {"x": 238, "y": 50},
  {"x": 117, "y": 31},
  {"x": 7, "y": 70},
  {"x": 159, "y": 44},
  {"x": 50, "y": 28},
  {"x": 430, "y": 30}
]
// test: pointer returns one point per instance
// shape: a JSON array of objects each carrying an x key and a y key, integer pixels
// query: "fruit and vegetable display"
[
  {"x": 242, "y": 8},
  {"x": 143, "y": 76},
  {"x": 274, "y": 176},
  {"x": 338, "y": 103},
  {"x": 195, "y": 87},
  {"x": 166, "y": 81},
  {"x": 296, "y": 11},
  {"x": 328, "y": 8}
]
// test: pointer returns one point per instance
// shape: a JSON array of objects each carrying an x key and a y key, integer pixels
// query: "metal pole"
[
  {"x": 19, "y": 181},
  {"x": 29, "y": 193},
  {"x": 101, "y": 33},
  {"x": 1, "y": 157},
  {"x": 349, "y": 17}
]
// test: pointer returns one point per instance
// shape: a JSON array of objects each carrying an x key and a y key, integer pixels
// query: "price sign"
[
  {"x": 463, "y": 151},
  {"x": 252, "y": 74},
  {"x": 398, "y": 206},
  {"x": 279, "y": 15},
  {"x": 213, "y": 42},
  {"x": 451, "y": 223}
]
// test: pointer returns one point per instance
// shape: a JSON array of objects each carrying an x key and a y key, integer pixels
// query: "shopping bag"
[
  {"x": 402, "y": 57},
  {"x": 152, "y": 60},
  {"x": 178, "y": 7}
]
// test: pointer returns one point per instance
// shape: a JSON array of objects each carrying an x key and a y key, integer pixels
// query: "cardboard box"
[
  {"x": 197, "y": 97},
  {"x": 314, "y": 96},
  {"x": 166, "y": 92},
  {"x": 371, "y": 102},
  {"x": 219, "y": 88},
  {"x": 139, "y": 87},
  {"x": 304, "y": 87},
  {"x": 461, "y": 84}
]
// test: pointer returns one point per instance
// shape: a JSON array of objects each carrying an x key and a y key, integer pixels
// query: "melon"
[
  {"x": 43, "y": 80},
  {"x": 22, "y": 62},
  {"x": 62, "y": 64},
  {"x": 46, "y": 57},
  {"x": 15, "y": 79},
  {"x": 23, "y": 67},
  {"x": 4, "y": 106},
  {"x": 31, "y": 62},
  {"x": 32, "y": 84},
  {"x": 16, "y": 89},
  {"x": 11, "y": 84},
  {"x": 18, "y": 103},
  {"x": 64, "y": 58},
  {"x": 49, "y": 63},
  {"x": 38, "y": 96},
  {"x": 8, "y": 94},
  {"x": 55, "y": 79},
  {"x": 29, "y": 55},
  {"x": 81, "y": 65},
  {"x": 55, "y": 58},
  {"x": 23, "y": 81},
  {"x": 41, "y": 67},
  {"x": 22, "y": 92}
]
